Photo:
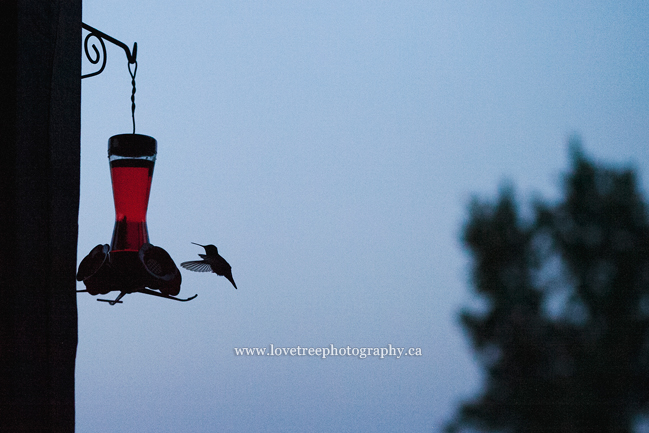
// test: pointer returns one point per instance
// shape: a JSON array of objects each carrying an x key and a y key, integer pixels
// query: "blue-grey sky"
[{"x": 330, "y": 149}]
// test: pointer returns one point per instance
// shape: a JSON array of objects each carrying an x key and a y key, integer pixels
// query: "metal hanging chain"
[{"x": 133, "y": 72}]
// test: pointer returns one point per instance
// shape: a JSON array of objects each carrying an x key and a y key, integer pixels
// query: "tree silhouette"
[{"x": 564, "y": 337}]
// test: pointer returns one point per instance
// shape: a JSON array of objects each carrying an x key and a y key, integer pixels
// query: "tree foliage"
[{"x": 564, "y": 340}]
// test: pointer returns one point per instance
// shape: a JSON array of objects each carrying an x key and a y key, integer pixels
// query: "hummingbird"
[{"x": 212, "y": 262}]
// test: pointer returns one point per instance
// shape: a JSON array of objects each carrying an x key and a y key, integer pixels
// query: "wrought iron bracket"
[{"x": 131, "y": 56}]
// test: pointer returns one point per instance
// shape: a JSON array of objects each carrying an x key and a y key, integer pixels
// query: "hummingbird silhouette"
[{"x": 212, "y": 262}]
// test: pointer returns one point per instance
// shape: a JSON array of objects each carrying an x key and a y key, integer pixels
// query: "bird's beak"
[{"x": 198, "y": 244}]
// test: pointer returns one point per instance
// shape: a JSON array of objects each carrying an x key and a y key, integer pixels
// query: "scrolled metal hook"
[
  {"x": 95, "y": 59},
  {"x": 130, "y": 56}
]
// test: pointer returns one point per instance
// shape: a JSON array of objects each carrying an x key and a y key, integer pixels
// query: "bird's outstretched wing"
[{"x": 197, "y": 266}]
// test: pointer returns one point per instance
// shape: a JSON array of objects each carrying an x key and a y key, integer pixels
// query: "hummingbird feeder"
[{"x": 130, "y": 263}]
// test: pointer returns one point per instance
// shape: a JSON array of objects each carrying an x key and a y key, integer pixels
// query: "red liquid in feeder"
[{"x": 131, "y": 180}]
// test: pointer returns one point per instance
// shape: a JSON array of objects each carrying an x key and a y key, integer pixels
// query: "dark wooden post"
[{"x": 40, "y": 100}]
